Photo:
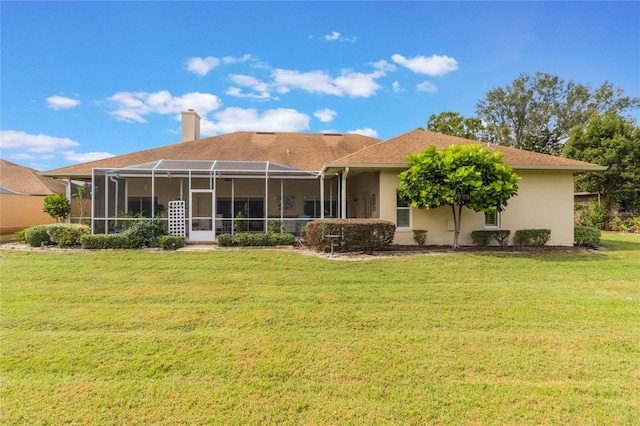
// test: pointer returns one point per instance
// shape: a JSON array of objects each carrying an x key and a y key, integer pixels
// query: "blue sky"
[{"x": 86, "y": 80}]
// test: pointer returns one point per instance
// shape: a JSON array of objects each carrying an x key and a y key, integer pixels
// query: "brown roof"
[
  {"x": 304, "y": 151},
  {"x": 18, "y": 179},
  {"x": 393, "y": 153}
]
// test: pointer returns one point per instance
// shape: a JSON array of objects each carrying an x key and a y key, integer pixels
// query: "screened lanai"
[{"x": 201, "y": 199}]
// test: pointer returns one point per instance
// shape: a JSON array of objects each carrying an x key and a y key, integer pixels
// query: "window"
[
  {"x": 142, "y": 206},
  {"x": 492, "y": 219},
  {"x": 403, "y": 213}
]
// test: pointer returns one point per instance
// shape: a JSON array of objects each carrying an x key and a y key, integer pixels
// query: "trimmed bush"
[
  {"x": 353, "y": 234},
  {"x": 532, "y": 237},
  {"x": 37, "y": 236},
  {"x": 171, "y": 242},
  {"x": 593, "y": 215},
  {"x": 586, "y": 236},
  {"x": 484, "y": 237},
  {"x": 420, "y": 237},
  {"x": 225, "y": 240},
  {"x": 245, "y": 239},
  {"x": 107, "y": 241},
  {"x": 145, "y": 232},
  {"x": 67, "y": 234}
]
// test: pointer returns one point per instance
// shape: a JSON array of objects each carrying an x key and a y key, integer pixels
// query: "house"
[
  {"x": 252, "y": 180},
  {"x": 22, "y": 193}
]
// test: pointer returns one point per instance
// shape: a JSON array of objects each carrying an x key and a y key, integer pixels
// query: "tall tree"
[
  {"x": 538, "y": 112},
  {"x": 613, "y": 141},
  {"x": 454, "y": 124},
  {"x": 459, "y": 176}
]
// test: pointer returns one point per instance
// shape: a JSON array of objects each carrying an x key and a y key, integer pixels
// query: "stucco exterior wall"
[
  {"x": 18, "y": 212},
  {"x": 544, "y": 200}
]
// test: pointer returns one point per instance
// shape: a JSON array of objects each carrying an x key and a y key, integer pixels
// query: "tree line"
[{"x": 545, "y": 114}]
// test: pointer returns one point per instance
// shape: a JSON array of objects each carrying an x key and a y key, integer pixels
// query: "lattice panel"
[{"x": 177, "y": 217}]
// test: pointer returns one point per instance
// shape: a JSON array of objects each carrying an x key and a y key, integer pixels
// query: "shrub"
[
  {"x": 420, "y": 237},
  {"x": 67, "y": 234},
  {"x": 107, "y": 241},
  {"x": 245, "y": 239},
  {"x": 145, "y": 232},
  {"x": 171, "y": 242},
  {"x": 532, "y": 237},
  {"x": 586, "y": 236},
  {"x": 37, "y": 236},
  {"x": 484, "y": 237},
  {"x": 57, "y": 206},
  {"x": 353, "y": 234},
  {"x": 631, "y": 225},
  {"x": 225, "y": 240},
  {"x": 19, "y": 236},
  {"x": 592, "y": 215}
]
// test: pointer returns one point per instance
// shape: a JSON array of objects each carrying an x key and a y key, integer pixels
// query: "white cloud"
[
  {"x": 84, "y": 157},
  {"x": 325, "y": 115},
  {"x": 349, "y": 83},
  {"x": 432, "y": 65},
  {"x": 231, "y": 60},
  {"x": 133, "y": 106},
  {"x": 262, "y": 88},
  {"x": 62, "y": 102},
  {"x": 384, "y": 66},
  {"x": 202, "y": 66},
  {"x": 365, "y": 132},
  {"x": 336, "y": 36},
  {"x": 426, "y": 86},
  {"x": 274, "y": 120},
  {"x": 396, "y": 87},
  {"x": 13, "y": 139}
]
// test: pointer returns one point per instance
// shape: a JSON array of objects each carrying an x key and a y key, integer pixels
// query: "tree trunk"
[{"x": 457, "y": 216}]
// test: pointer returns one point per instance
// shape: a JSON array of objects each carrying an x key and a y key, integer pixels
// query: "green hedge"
[
  {"x": 37, "y": 236},
  {"x": 532, "y": 237},
  {"x": 353, "y": 234},
  {"x": 109, "y": 241},
  {"x": 484, "y": 237},
  {"x": 171, "y": 242},
  {"x": 245, "y": 239},
  {"x": 586, "y": 236},
  {"x": 420, "y": 237},
  {"x": 67, "y": 234}
]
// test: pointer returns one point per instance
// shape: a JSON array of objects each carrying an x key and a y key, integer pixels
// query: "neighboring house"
[
  {"x": 246, "y": 180},
  {"x": 22, "y": 193}
]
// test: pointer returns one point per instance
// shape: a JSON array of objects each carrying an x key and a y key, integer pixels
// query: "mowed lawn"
[{"x": 276, "y": 337}]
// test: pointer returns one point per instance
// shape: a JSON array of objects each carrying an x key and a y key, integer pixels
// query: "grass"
[{"x": 267, "y": 337}]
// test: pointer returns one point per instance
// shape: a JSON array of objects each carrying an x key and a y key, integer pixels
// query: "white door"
[{"x": 202, "y": 214}]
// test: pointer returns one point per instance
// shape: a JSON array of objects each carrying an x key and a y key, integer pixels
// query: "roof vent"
[
  {"x": 265, "y": 133},
  {"x": 332, "y": 134}
]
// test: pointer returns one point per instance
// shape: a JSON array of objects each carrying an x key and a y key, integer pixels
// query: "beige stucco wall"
[
  {"x": 18, "y": 212},
  {"x": 544, "y": 200}
]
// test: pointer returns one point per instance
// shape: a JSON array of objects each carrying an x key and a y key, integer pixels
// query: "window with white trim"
[
  {"x": 403, "y": 213},
  {"x": 492, "y": 219}
]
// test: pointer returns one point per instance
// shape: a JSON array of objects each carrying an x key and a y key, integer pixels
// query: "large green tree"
[
  {"x": 538, "y": 112},
  {"x": 459, "y": 176},
  {"x": 613, "y": 141},
  {"x": 454, "y": 124}
]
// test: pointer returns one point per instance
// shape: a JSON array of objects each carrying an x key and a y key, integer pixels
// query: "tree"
[
  {"x": 537, "y": 112},
  {"x": 613, "y": 141},
  {"x": 454, "y": 124},
  {"x": 57, "y": 206},
  {"x": 82, "y": 195},
  {"x": 459, "y": 176}
]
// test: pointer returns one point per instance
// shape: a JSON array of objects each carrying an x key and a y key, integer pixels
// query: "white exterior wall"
[{"x": 544, "y": 200}]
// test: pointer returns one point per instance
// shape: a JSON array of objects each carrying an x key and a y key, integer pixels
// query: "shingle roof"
[
  {"x": 17, "y": 179},
  {"x": 393, "y": 153},
  {"x": 304, "y": 151}
]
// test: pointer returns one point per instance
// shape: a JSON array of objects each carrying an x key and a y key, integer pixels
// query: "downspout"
[
  {"x": 116, "y": 206},
  {"x": 68, "y": 194},
  {"x": 322, "y": 196},
  {"x": 343, "y": 194}
]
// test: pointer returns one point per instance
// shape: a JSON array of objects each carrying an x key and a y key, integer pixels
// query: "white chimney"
[{"x": 190, "y": 125}]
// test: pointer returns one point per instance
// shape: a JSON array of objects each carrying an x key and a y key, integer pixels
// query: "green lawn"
[{"x": 268, "y": 337}]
